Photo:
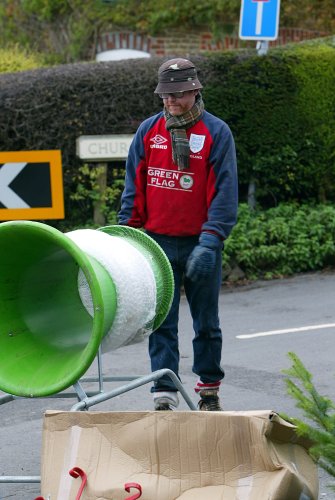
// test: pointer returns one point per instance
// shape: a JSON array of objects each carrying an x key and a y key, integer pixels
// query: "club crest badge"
[
  {"x": 197, "y": 142},
  {"x": 186, "y": 181}
]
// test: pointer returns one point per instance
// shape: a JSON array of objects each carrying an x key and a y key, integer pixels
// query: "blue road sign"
[{"x": 259, "y": 19}]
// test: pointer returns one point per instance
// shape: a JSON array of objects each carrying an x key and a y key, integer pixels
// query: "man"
[{"x": 181, "y": 186}]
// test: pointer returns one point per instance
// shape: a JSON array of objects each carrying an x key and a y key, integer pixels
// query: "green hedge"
[
  {"x": 281, "y": 241},
  {"x": 280, "y": 107}
]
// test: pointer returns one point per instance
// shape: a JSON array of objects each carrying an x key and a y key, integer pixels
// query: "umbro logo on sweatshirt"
[{"x": 158, "y": 141}]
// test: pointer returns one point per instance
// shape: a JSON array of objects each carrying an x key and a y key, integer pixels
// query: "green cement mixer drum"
[{"x": 64, "y": 295}]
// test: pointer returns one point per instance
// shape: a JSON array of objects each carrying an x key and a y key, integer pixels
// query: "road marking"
[
  {"x": 288, "y": 330},
  {"x": 8, "y": 198}
]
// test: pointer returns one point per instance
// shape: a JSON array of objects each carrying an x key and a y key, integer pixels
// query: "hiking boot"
[
  {"x": 166, "y": 400},
  {"x": 209, "y": 400}
]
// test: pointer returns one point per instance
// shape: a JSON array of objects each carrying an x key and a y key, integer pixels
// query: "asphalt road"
[{"x": 261, "y": 323}]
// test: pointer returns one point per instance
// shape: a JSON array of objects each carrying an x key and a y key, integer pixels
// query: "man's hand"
[{"x": 201, "y": 262}]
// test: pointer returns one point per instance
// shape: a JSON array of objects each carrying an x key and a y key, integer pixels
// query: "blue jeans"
[{"x": 203, "y": 300}]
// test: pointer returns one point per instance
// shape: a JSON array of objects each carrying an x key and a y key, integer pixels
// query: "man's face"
[{"x": 179, "y": 105}]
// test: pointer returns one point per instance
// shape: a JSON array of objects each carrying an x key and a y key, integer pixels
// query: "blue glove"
[{"x": 201, "y": 262}]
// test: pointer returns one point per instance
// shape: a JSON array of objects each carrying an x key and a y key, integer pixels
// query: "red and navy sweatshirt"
[{"x": 165, "y": 200}]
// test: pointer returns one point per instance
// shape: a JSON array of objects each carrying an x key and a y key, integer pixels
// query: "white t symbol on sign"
[{"x": 259, "y": 15}]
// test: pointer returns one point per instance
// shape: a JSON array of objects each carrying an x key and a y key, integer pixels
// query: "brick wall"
[{"x": 192, "y": 43}]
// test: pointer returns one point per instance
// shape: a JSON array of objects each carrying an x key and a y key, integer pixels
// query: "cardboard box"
[{"x": 187, "y": 455}]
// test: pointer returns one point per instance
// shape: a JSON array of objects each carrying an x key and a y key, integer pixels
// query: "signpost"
[
  {"x": 31, "y": 185},
  {"x": 101, "y": 149},
  {"x": 259, "y": 19}
]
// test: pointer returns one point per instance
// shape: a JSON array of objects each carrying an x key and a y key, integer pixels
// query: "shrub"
[
  {"x": 283, "y": 240},
  {"x": 319, "y": 412},
  {"x": 280, "y": 108},
  {"x": 13, "y": 59}
]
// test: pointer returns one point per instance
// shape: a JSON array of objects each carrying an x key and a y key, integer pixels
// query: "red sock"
[{"x": 207, "y": 385}]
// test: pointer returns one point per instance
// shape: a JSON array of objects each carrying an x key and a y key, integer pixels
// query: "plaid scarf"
[{"x": 177, "y": 126}]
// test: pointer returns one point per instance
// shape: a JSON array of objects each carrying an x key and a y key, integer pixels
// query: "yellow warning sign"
[{"x": 31, "y": 185}]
